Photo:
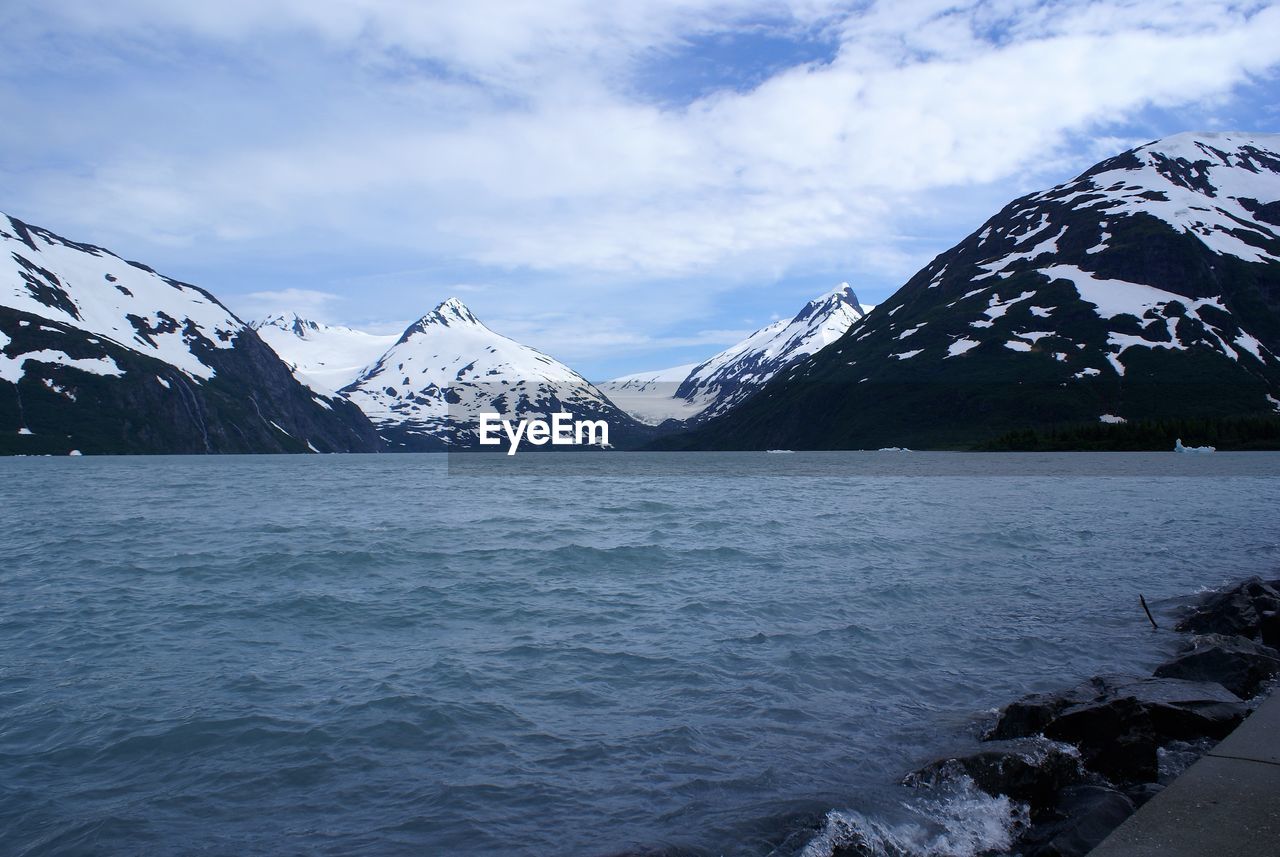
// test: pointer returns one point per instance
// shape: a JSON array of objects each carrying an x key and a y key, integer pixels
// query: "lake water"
[{"x": 589, "y": 655}]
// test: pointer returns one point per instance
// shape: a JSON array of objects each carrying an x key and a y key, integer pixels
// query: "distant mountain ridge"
[
  {"x": 1147, "y": 288},
  {"x": 98, "y": 354},
  {"x": 715, "y": 386}
]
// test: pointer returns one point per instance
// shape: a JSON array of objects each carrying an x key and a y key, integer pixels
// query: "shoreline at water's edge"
[
  {"x": 1084, "y": 760},
  {"x": 1225, "y": 804}
]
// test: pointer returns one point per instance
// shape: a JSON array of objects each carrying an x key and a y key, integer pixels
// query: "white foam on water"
[{"x": 965, "y": 822}]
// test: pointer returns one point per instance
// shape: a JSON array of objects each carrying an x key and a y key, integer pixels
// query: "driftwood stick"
[{"x": 1143, "y": 601}]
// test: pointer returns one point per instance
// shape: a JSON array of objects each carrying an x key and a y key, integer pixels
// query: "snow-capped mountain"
[
  {"x": 1146, "y": 288},
  {"x": 428, "y": 390},
  {"x": 325, "y": 357},
  {"x": 96, "y": 292},
  {"x": 104, "y": 355},
  {"x": 715, "y": 386}
]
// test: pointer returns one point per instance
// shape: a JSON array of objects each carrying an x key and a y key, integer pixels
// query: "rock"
[
  {"x": 1200, "y": 700},
  {"x": 1116, "y": 738},
  {"x": 1269, "y": 625},
  {"x": 1030, "y": 715},
  {"x": 1087, "y": 814},
  {"x": 1119, "y": 722},
  {"x": 1140, "y": 794},
  {"x": 1033, "y": 774},
  {"x": 1245, "y": 610},
  {"x": 1239, "y": 664}
]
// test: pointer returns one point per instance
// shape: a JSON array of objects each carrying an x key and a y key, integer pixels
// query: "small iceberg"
[
  {"x": 1178, "y": 447},
  {"x": 893, "y": 449},
  {"x": 779, "y": 451}
]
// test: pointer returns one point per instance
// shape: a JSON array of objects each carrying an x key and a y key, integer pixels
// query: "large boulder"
[
  {"x": 1085, "y": 816},
  {"x": 1250, "y": 609},
  {"x": 1030, "y": 715},
  {"x": 1116, "y": 738},
  {"x": 1239, "y": 664},
  {"x": 1119, "y": 722},
  {"x": 1033, "y": 773}
]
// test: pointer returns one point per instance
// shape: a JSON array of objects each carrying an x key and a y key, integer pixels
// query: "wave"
[{"x": 962, "y": 821}]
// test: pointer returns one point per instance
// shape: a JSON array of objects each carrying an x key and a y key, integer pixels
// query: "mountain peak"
[
  {"x": 1204, "y": 145},
  {"x": 449, "y": 313},
  {"x": 430, "y": 388},
  {"x": 839, "y": 297},
  {"x": 1212, "y": 164},
  {"x": 719, "y": 383},
  {"x": 289, "y": 322}
]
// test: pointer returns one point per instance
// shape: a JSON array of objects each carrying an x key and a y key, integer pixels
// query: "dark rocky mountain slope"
[
  {"x": 100, "y": 355},
  {"x": 1146, "y": 289}
]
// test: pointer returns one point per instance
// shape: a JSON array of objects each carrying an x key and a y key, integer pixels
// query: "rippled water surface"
[{"x": 697, "y": 653}]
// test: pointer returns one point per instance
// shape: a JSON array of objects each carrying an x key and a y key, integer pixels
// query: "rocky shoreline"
[{"x": 1079, "y": 762}]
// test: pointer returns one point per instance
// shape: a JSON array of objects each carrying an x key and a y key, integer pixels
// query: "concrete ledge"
[{"x": 1227, "y": 804}]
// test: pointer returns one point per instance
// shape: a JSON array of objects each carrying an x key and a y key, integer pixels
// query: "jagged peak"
[
  {"x": 841, "y": 295},
  {"x": 448, "y": 313},
  {"x": 451, "y": 311},
  {"x": 290, "y": 322}
]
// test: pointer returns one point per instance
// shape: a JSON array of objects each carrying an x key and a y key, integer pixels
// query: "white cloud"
[
  {"x": 314, "y": 305},
  {"x": 514, "y": 136}
]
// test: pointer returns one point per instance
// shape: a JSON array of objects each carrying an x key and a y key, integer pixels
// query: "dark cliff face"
[
  {"x": 1140, "y": 291},
  {"x": 252, "y": 404}
]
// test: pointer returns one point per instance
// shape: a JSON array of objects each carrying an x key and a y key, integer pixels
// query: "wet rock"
[
  {"x": 1086, "y": 815},
  {"x": 1115, "y": 737},
  {"x": 1033, "y": 774},
  {"x": 1142, "y": 793},
  {"x": 1269, "y": 627},
  {"x": 1239, "y": 664},
  {"x": 1180, "y": 706},
  {"x": 1250, "y": 609},
  {"x": 1126, "y": 758},
  {"x": 1031, "y": 714},
  {"x": 1119, "y": 722}
]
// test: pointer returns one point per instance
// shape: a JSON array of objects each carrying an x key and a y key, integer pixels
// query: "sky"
[{"x": 625, "y": 185}]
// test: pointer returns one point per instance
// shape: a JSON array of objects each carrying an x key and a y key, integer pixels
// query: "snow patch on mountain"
[
  {"x": 94, "y": 290},
  {"x": 324, "y": 357},
  {"x": 13, "y": 368},
  {"x": 1115, "y": 298},
  {"x": 1209, "y": 184}
]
